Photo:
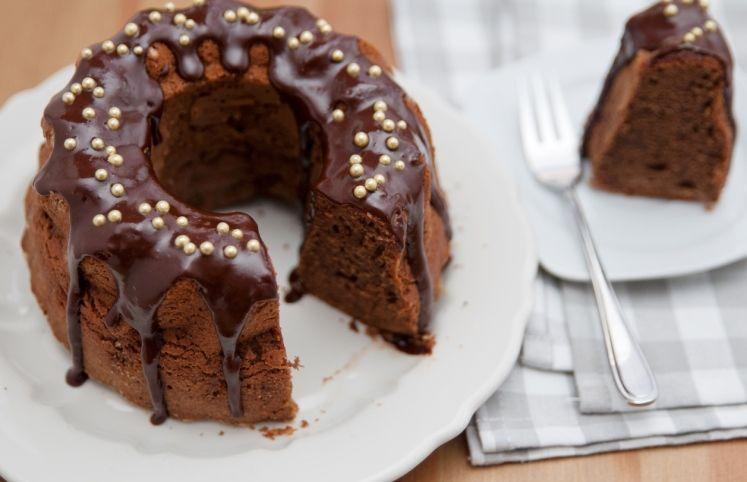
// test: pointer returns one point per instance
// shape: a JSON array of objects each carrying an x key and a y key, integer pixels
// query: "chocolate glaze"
[
  {"x": 297, "y": 289},
  {"x": 653, "y": 31},
  {"x": 143, "y": 260}
]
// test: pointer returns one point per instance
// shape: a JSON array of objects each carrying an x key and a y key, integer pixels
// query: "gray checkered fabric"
[{"x": 560, "y": 400}]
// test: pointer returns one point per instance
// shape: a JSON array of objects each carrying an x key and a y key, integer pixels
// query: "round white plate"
[
  {"x": 638, "y": 238},
  {"x": 373, "y": 413}
]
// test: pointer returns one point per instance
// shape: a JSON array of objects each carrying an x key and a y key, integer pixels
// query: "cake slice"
[{"x": 663, "y": 125}]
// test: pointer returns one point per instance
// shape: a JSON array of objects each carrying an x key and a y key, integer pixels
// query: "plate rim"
[{"x": 448, "y": 429}]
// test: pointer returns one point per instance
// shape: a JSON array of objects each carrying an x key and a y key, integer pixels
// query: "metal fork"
[{"x": 551, "y": 151}]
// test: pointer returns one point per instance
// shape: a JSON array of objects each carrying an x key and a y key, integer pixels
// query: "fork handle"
[{"x": 630, "y": 370}]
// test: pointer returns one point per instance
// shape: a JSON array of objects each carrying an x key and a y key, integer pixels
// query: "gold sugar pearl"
[
  {"x": 114, "y": 216},
  {"x": 401, "y": 125},
  {"x": 293, "y": 43},
  {"x": 86, "y": 53},
  {"x": 306, "y": 37},
  {"x": 88, "y": 113},
  {"x": 68, "y": 98},
  {"x": 158, "y": 222},
  {"x": 115, "y": 160},
  {"x": 685, "y": 2},
  {"x": 123, "y": 49},
  {"x": 353, "y": 69},
  {"x": 181, "y": 240},
  {"x": 76, "y": 88},
  {"x": 371, "y": 184},
  {"x": 252, "y": 18},
  {"x": 392, "y": 143},
  {"x": 697, "y": 31},
  {"x": 182, "y": 221},
  {"x": 399, "y": 165},
  {"x": 163, "y": 207},
  {"x": 253, "y": 245},
  {"x": 705, "y": 3},
  {"x": 387, "y": 125},
  {"x": 207, "y": 248},
  {"x": 379, "y": 115},
  {"x": 355, "y": 159},
  {"x": 98, "y": 92},
  {"x": 671, "y": 10},
  {"x": 70, "y": 143},
  {"x": 242, "y": 12},
  {"x": 117, "y": 190},
  {"x": 101, "y": 174},
  {"x": 361, "y": 139},
  {"x": 380, "y": 179},
  {"x": 170, "y": 7},
  {"x": 184, "y": 40},
  {"x": 131, "y": 29},
  {"x": 356, "y": 170},
  {"x": 190, "y": 24},
  {"x": 385, "y": 160},
  {"x": 144, "y": 209},
  {"x": 98, "y": 143},
  {"x": 115, "y": 112},
  {"x": 99, "y": 220},
  {"x": 199, "y": 3},
  {"x": 230, "y": 16},
  {"x": 360, "y": 192},
  {"x": 189, "y": 248},
  {"x": 689, "y": 37},
  {"x": 278, "y": 32},
  {"x": 338, "y": 115},
  {"x": 237, "y": 233},
  {"x": 380, "y": 105},
  {"x": 222, "y": 228},
  {"x": 113, "y": 123},
  {"x": 230, "y": 252},
  {"x": 155, "y": 16},
  {"x": 108, "y": 46},
  {"x": 325, "y": 28},
  {"x": 710, "y": 25},
  {"x": 375, "y": 71},
  {"x": 88, "y": 84},
  {"x": 337, "y": 55},
  {"x": 110, "y": 150},
  {"x": 179, "y": 19}
]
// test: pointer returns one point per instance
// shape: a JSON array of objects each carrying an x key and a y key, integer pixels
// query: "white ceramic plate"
[
  {"x": 373, "y": 412},
  {"x": 639, "y": 238}
]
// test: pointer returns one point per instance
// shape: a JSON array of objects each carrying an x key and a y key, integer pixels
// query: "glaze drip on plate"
[{"x": 105, "y": 122}]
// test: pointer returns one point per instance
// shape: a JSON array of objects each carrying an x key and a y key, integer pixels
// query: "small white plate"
[
  {"x": 373, "y": 412},
  {"x": 638, "y": 238}
]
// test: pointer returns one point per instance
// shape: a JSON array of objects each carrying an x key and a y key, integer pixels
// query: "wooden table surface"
[{"x": 41, "y": 36}]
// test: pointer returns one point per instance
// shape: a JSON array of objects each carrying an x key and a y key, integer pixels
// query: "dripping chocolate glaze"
[
  {"x": 143, "y": 260},
  {"x": 653, "y": 31}
]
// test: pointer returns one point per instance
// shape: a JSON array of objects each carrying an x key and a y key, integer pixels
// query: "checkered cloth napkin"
[{"x": 560, "y": 400}]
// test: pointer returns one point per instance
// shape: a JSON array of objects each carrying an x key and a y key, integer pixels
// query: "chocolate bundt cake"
[
  {"x": 185, "y": 111},
  {"x": 663, "y": 125}
]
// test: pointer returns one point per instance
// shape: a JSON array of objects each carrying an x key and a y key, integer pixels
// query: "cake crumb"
[
  {"x": 271, "y": 433},
  {"x": 296, "y": 364},
  {"x": 304, "y": 423},
  {"x": 353, "y": 325},
  {"x": 221, "y": 433}
]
